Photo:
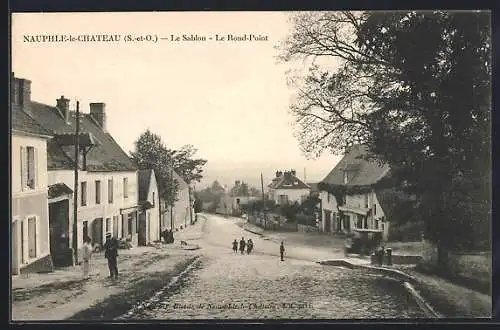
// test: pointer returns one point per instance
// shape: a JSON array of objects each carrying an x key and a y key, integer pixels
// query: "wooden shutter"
[
  {"x": 24, "y": 169},
  {"x": 35, "y": 167}
]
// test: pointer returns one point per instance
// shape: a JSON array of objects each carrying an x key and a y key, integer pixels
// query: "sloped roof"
[
  {"x": 24, "y": 123},
  {"x": 144, "y": 180},
  {"x": 180, "y": 181},
  {"x": 288, "y": 181},
  {"x": 361, "y": 171},
  {"x": 106, "y": 155}
]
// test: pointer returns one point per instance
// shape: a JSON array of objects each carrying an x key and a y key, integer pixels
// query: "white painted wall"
[
  {"x": 294, "y": 195},
  {"x": 154, "y": 223},
  {"x": 29, "y": 202},
  {"x": 104, "y": 209},
  {"x": 40, "y": 146},
  {"x": 328, "y": 203}
]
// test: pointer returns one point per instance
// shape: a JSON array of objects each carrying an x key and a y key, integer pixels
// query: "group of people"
[
  {"x": 243, "y": 244},
  {"x": 110, "y": 253},
  {"x": 249, "y": 247}
]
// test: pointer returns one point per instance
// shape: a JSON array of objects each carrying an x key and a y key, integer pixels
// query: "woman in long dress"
[{"x": 86, "y": 255}]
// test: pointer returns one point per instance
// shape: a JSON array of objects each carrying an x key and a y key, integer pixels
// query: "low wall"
[{"x": 398, "y": 259}]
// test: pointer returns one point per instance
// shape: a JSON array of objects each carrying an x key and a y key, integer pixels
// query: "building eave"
[{"x": 43, "y": 136}]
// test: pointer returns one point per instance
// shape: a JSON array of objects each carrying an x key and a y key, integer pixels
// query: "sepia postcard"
[{"x": 330, "y": 165}]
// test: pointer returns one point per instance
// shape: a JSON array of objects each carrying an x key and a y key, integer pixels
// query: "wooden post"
[
  {"x": 263, "y": 200},
  {"x": 75, "y": 190},
  {"x": 171, "y": 205}
]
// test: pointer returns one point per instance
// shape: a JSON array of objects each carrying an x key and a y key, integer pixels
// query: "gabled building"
[
  {"x": 350, "y": 194},
  {"x": 30, "y": 247},
  {"x": 286, "y": 187},
  {"x": 107, "y": 191},
  {"x": 149, "y": 203}
]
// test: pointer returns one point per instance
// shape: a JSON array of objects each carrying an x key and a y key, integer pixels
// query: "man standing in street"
[
  {"x": 282, "y": 251},
  {"x": 242, "y": 245},
  {"x": 111, "y": 253}
]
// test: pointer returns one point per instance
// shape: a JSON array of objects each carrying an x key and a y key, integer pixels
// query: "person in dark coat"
[
  {"x": 111, "y": 253},
  {"x": 235, "y": 246},
  {"x": 282, "y": 251},
  {"x": 242, "y": 245},
  {"x": 249, "y": 246}
]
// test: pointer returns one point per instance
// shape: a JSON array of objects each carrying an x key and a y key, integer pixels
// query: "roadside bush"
[{"x": 305, "y": 219}]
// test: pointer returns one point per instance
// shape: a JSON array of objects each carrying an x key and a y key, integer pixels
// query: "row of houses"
[
  {"x": 113, "y": 195},
  {"x": 352, "y": 196}
]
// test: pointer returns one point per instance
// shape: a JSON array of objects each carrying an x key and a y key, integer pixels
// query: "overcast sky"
[{"x": 228, "y": 99}]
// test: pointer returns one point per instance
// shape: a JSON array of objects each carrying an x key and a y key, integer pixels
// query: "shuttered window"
[
  {"x": 110, "y": 191},
  {"x": 84, "y": 193},
  {"x": 24, "y": 169},
  {"x": 31, "y": 167}
]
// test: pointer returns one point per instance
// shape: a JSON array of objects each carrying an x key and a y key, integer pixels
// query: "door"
[
  {"x": 15, "y": 248},
  {"x": 97, "y": 227},
  {"x": 142, "y": 229},
  {"x": 148, "y": 224},
  {"x": 328, "y": 219},
  {"x": 115, "y": 226},
  {"x": 22, "y": 243},
  {"x": 32, "y": 237},
  {"x": 347, "y": 223},
  {"x": 339, "y": 222},
  {"x": 85, "y": 229}
]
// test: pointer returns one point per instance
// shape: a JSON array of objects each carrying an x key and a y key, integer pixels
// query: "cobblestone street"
[{"x": 230, "y": 286}]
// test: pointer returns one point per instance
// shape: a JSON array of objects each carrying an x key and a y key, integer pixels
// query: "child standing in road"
[
  {"x": 86, "y": 255},
  {"x": 235, "y": 246},
  {"x": 282, "y": 251}
]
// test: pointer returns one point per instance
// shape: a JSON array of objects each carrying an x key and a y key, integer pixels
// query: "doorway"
[
  {"x": 97, "y": 227},
  {"x": 328, "y": 219}
]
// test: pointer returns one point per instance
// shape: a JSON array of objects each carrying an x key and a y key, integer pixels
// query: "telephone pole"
[
  {"x": 172, "y": 203},
  {"x": 263, "y": 200},
  {"x": 75, "y": 190}
]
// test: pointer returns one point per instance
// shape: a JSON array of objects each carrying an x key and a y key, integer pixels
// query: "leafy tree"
[
  {"x": 415, "y": 87},
  {"x": 151, "y": 153},
  {"x": 189, "y": 168}
]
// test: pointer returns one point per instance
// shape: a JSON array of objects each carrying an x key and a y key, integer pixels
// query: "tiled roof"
[
  {"x": 22, "y": 122},
  {"x": 144, "y": 180},
  {"x": 288, "y": 181},
  {"x": 107, "y": 155},
  {"x": 361, "y": 171},
  {"x": 59, "y": 189}
]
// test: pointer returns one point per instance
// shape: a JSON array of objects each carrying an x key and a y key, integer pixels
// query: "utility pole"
[
  {"x": 75, "y": 190},
  {"x": 172, "y": 204},
  {"x": 263, "y": 200},
  {"x": 190, "y": 206}
]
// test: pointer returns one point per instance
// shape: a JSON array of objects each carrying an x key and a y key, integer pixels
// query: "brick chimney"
[
  {"x": 98, "y": 113},
  {"x": 21, "y": 92},
  {"x": 63, "y": 106}
]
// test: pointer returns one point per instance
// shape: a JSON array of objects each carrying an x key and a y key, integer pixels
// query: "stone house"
[{"x": 286, "y": 187}]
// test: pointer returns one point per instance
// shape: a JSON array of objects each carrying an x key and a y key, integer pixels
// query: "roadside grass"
[{"x": 138, "y": 290}]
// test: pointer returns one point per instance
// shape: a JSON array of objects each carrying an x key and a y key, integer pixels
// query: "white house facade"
[
  {"x": 149, "y": 214},
  {"x": 286, "y": 187},
  {"x": 30, "y": 249}
]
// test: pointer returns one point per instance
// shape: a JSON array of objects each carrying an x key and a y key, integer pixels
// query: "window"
[
  {"x": 328, "y": 197},
  {"x": 346, "y": 177},
  {"x": 110, "y": 191},
  {"x": 108, "y": 225},
  {"x": 98, "y": 192},
  {"x": 32, "y": 236},
  {"x": 28, "y": 167},
  {"x": 125, "y": 187},
  {"x": 374, "y": 209},
  {"x": 84, "y": 193},
  {"x": 366, "y": 201},
  {"x": 154, "y": 199},
  {"x": 359, "y": 223}
]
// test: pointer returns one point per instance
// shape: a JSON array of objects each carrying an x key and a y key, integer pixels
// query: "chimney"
[
  {"x": 279, "y": 174},
  {"x": 21, "y": 92},
  {"x": 237, "y": 182},
  {"x": 63, "y": 106},
  {"x": 98, "y": 113},
  {"x": 293, "y": 172}
]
